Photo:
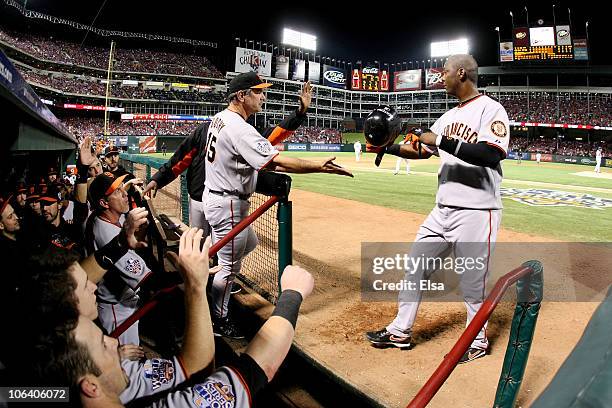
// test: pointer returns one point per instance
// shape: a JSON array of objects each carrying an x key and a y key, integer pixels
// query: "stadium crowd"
[
  {"x": 572, "y": 108},
  {"x": 312, "y": 134},
  {"x": 560, "y": 147},
  {"x": 79, "y": 261},
  {"x": 93, "y": 87},
  {"x": 127, "y": 59},
  {"x": 82, "y": 127}
]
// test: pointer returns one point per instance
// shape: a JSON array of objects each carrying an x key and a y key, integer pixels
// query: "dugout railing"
[
  {"x": 270, "y": 216},
  {"x": 529, "y": 287}
]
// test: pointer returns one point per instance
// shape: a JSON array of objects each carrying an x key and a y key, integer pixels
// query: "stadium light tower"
[
  {"x": 446, "y": 48},
  {"x": 300, "y": 40}
]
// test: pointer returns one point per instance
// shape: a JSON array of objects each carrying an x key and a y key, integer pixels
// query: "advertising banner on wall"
[
  {"x": 299, "y": 70},
  {"x": 581, "y": 51},
  {"x": 520, "y": 37},
  {"x": 563, "y": 35},
  {"x": 334, "y": 77},
  {"x": 147, "y": 144},
  {"x": 506, "y": 52},
  {"x": 282, "y": 67},
  {"x": 314, "y": 72},
  {"x": 433, "y": 79},
  {"x": 253, "y": 61},
  {"x": 409, "y": 80}
]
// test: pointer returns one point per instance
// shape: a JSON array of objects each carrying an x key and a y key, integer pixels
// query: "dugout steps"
[{"x": 302, "y": 380}]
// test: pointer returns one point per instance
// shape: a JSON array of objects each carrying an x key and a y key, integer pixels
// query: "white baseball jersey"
[
  {"x": 357, "y": 146},
  {"x": 461, "y": 184},
  {"x": 150, "y": 377},
  {"x": 131, "y": 268},
  {"x": 235, "y": 152},
  {"x": 598, "y": 155}
]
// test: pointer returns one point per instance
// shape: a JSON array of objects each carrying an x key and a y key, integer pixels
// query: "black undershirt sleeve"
[
  {"x": 251, "y": 372},
  {"x": 478, "y": 154}
]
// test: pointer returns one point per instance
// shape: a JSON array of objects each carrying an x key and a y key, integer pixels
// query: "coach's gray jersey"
[
  {"x": 131, "y": 267},
  {"x": 461, "y": 184},
  {"x": 224, "y": 389},
  {"x": 235, "y": 151}
]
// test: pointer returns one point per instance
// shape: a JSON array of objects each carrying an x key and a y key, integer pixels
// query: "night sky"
[{"x": 384, "y": 31}]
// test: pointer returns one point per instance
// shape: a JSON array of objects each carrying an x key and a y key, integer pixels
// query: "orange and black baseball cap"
[
  {"x": 104, "y": 185},
  {"x": 50, "y": 195},
  {"x": 21, "y": 188},
  {"x": 4, "y": 201},
  {"x": 111, "y": 150},
  {"x": 247, "y": 80},
  {"x": 33, "y": 193}
]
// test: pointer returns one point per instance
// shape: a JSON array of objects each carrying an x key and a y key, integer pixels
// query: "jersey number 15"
[{"x": 210, "y": 148}]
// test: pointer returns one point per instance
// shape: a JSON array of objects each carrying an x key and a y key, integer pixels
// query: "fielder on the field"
[
  {"x": 598, "y": 160},
  {"x": 235, "y": 153},
  {"x": 357, "y": 147},
  {"x": 398, "y": 163},
  {"x": 471, "y": 140}
]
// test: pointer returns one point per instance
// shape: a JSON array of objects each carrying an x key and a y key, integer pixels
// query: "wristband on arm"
[{"x": 288, "y": 306}]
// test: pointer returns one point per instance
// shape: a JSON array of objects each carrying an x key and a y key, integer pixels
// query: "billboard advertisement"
[
  {"x": 563, "y": 35},
  {"x": 541, "y": 36},
  {"x": 253, "y": 61},
  {"x": 521, "y": 37},
  {"x": 314, "y": 72},
  {"x": 333, "y": 77},
  {"x": 433, "y": 78},
  {"x": 355, "y": 79},
  {"x": 407, "y": 80},
  {"x": 147, "y": 144},
  {"x": 506, "y": 52},
  {"x": 282, "y": 67},
  {"x": 299, "y": 70},
  {"x": 581, "y": 51}
]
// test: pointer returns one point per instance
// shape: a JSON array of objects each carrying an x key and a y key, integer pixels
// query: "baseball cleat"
[
  {"x": 384, "y": 338},
  {"x": 225, "y": 327},
  {"x": 472, "y": 354}
]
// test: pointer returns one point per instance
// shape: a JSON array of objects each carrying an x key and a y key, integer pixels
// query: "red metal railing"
[
  {"x": 151, "y": 304},
  {"x": 444, "y": 370}
]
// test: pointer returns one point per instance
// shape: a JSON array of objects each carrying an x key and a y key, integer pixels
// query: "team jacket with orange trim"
[{"x": 190, "y": 155}]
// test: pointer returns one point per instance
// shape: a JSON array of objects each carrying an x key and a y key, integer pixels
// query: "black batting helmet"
[{"x": 382, "y": 126}]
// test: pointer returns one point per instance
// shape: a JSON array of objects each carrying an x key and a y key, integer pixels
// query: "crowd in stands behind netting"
[
  {"x": 311, "y": 134},
  {"x": 568, "y": 108},
  {"x": 560, "y": 147},
  {"x": 132, "y": 59}
]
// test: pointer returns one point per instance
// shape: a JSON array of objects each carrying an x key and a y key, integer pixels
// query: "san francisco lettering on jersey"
[{"x": 461, "y": 131}]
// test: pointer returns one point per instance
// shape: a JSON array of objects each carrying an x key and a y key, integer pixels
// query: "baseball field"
[{"x": 545, "y": 204}]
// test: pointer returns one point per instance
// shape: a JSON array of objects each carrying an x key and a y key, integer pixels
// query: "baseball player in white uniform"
[
  {"x": 471, "y": 140},
  {"x": 118, "y": 292},
  {"x": 398, "y": 163},
  {"x": 235, "y": 153},
  {"x": 538, "y": 157},
  {"x": 357, "y": 147},
  {"x": 598, "y": 160}
]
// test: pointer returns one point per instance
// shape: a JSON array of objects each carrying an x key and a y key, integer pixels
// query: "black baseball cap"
[
  {"x": 247, "y": 80},
  {"x": 50, "y": 195},
  {"x": 111, "y": 150},
  {"x": 104, "y": 185}
]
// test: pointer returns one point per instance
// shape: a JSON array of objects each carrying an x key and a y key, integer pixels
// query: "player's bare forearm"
[
  {"x": 271, "y": 344},
  {"x": 294, "y": 165},
  {"x": 94, "y": 271},
  {"x": 406, "y": 151},
  {"x": 198, "y": 349}
]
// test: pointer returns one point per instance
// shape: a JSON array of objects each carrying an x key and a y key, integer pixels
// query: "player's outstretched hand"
[
  {"x": 135, "y": 221},
  {"x": 131, "y": 352},
  {"x": 329, "y": 166},
  {"x": 297, "y": 279},
  {"x": 133, "y": 182},
  {"x": 305, "y": 97},
  {"x": 85, "y": 155},
  {"x": 150, "y": 189},
  {"x": 192, "y": 259}
]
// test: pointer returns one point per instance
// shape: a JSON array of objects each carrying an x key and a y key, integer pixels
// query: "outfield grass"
[{"x": 416, "y": 193}]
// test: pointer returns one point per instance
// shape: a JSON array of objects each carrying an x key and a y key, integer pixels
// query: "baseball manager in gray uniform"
[{"x": 235, "y": 153}]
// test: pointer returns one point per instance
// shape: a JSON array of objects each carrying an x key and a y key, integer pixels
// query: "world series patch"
[
  {"x": 499, "y": 128},
  {"x": 214, "y": 394},
  {"x": 159, "y": 371},
  {"x": 264, "y": 147},
  {"x": 133, "y": 266}
]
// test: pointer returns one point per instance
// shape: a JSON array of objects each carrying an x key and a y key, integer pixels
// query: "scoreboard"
[
  {"x": 370, "y": 79},
  {"x": 544, "y": 53}
]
